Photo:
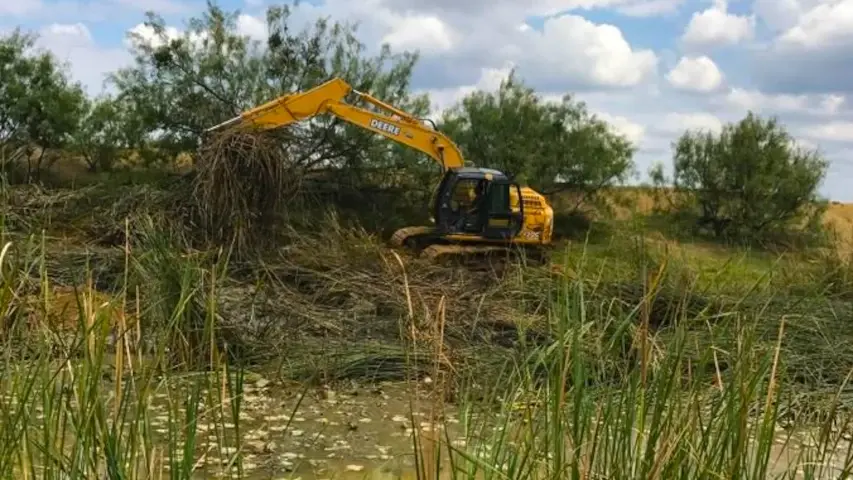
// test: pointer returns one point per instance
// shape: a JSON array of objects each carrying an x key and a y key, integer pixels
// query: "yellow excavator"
[{"x": 475, "y": 211}]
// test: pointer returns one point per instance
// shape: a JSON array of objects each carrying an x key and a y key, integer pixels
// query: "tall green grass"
[
  {"x": 93, "y": 400},
  {"x": 608, "y": 396},
  {"x": 585, "y": 406}
]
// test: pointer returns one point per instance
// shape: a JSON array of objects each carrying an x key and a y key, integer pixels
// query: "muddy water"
[
  {"x": 788, "y": 453},
  {"x": 351, "y": 432},
  {"x": 363, "y": 432},
  {"x": 359, "y": 432}
]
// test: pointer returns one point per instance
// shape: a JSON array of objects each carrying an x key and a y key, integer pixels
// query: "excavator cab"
[{"x": 478, "y": 201}]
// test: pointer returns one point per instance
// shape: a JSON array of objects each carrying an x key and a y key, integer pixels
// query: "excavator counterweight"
[{"x": 475, "y": 211}]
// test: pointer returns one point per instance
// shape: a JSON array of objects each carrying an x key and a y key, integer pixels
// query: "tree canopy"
[
  {"x": 553, "y": 146},
  {"x": 748, "y": 181},
  {"x": 39, "y": 106},
  {"x": 179, "y": 86}
]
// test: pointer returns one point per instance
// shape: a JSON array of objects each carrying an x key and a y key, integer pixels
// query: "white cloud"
[
  {"x": 72, "y": 11},
  {"x": 832, "y": 103},
  {"x": 799, "y": 143},
  {"x": 144, "y": 33},
  {"x": 745, "y": 99},
  {"x": 77, "y": 34},
  {"x": 252, "y": 27},
  {"x": 89, "y": 62},
  {"x": 780, "y": 14},
  {"x": 568, "y": 50},
  {"x": 539, "y": 8},
  {"x": 443, "y": 98},
  {"x": 15, "y": 8},
  {"x": 839, "y": 131},
  {"x": 827, "y": 24},
  {"x": 596, "y": 54},
  {"x": 756, "y": 100},
  {"x": 697, "y": 74},
  {"x": 634, "y": 132},
  {"x": 639, "y": 8},
  {"x": 715, "y": 26},
  {"x": 676, "y": 123},
  {"x": 650, "y": 8},
  {"x": 428, "y": 34},
  {"x": 420, "y": 32},
  {"x": 473, "y": 44},
  {"x": 163, "y": 7},
  {"x": 490, "y": 80},
  {"x": 812, "y": 51}
]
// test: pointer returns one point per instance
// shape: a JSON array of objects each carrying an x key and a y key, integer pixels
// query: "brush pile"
[
  {"x": 338, "y": 294},
  {"x": 244, "y": 182},
  {"x": 95, "y": 214},
  {"x": 343, "y": 282}
]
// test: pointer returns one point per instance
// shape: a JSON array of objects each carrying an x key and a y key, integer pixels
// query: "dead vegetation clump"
[
  {"x": 341, "y": 298},
  {"x": 97, "y": 215},
  {"x": 345, "y": 282},
  {"x": 243, "y": 184}
]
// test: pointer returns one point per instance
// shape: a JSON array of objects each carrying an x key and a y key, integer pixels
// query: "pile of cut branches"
[{"x": 244, "y": 182}]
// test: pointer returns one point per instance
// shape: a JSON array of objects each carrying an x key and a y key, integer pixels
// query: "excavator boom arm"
[{"x": 329, "y": 98}]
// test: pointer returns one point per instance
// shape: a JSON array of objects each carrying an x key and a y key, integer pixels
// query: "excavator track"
[
  {"x": 424, "y": 243},
  {"x": 412, "y": 237},
  {"x": 486, "y": 256},
  {"x": 475, "y": 256}
]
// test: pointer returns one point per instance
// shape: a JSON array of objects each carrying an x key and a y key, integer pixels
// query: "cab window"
[
  {"x": 499, "y": 198},
  {"x": 464, "y": 194}
]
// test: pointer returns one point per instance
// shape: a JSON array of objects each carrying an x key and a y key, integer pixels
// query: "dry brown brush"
[
  {"x": 344, "y": 283},
  {"x": 97, "y": 214},
  {"x": 243, "y": 184},
  {"x": 337, "y": 301}
]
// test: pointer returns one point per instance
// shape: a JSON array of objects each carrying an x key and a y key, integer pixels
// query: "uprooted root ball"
[{"x": 245, "y": 178}]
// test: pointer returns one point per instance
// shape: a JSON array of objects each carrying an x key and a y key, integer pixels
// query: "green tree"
[
  {"x": 749, "y": 181},
  {"x": 553, "y": 146},
  {"x": 178, "y": 87},
  {"x": 107, "y": 131},
  {"x": 39, "y": 106}
]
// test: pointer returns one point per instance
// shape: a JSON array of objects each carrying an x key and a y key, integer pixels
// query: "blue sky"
[{"x": 650, "y": 67}]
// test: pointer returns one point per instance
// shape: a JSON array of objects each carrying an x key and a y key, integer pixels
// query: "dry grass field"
[{"x": 627, "y": 202}]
